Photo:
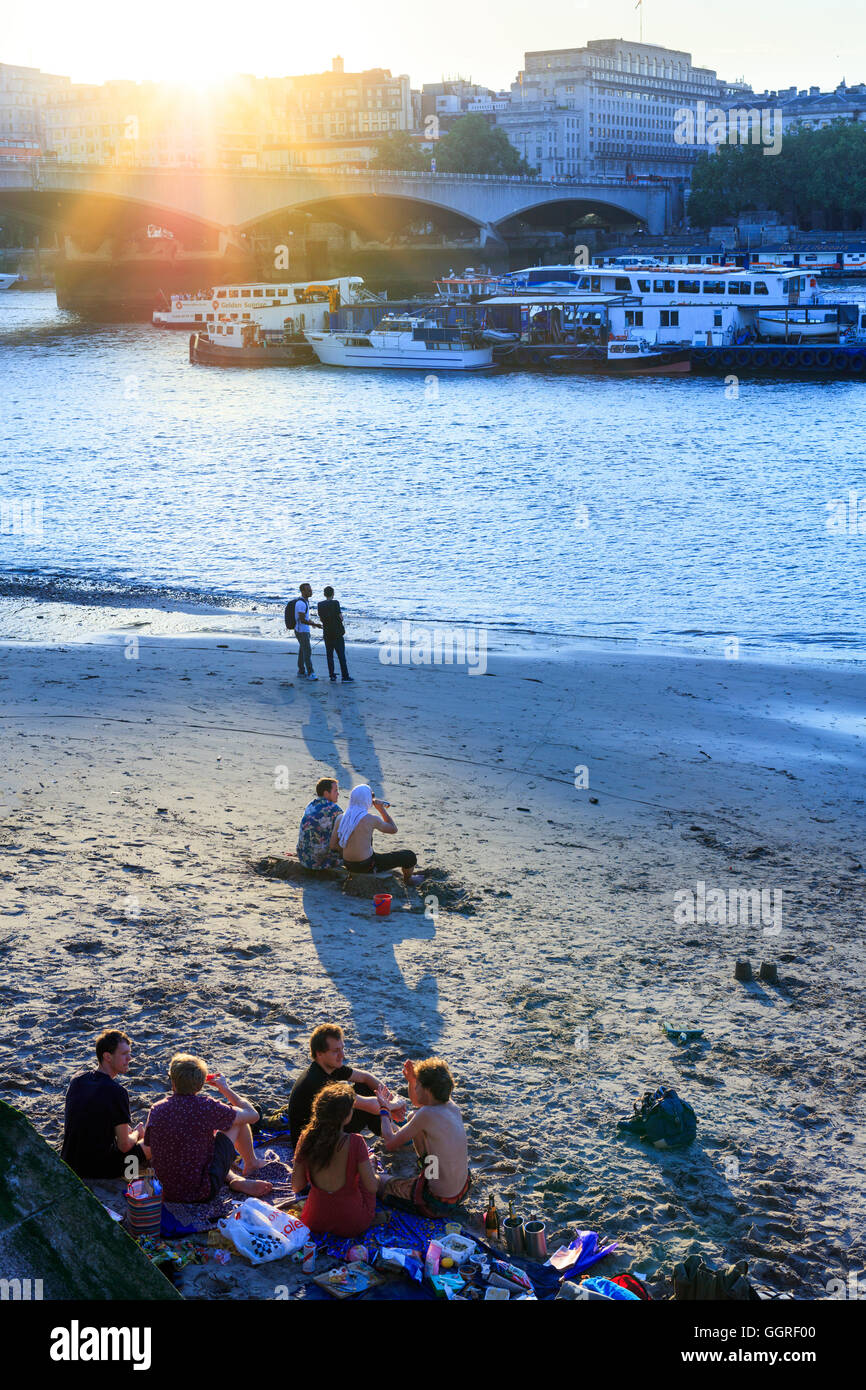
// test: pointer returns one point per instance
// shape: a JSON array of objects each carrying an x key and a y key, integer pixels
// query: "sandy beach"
[{"x": 573, "y": 804}]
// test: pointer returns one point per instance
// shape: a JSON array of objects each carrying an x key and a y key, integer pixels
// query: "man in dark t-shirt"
[
  {"x": 334, "y": 633},
  {"x": 98, "y": 1138},
  {"x": 329, "y": 1065}
]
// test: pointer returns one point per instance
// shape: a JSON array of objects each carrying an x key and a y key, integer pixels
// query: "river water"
[{"x": 666, "y": 512}]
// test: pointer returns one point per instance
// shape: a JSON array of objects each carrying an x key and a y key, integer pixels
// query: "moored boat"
[
  {"x": 637, "y": 357},
  {"x": 404, "y": 343},
  {"x": 247, "y": 345}
]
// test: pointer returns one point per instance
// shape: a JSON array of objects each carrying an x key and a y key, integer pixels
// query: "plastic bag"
[
  {"x": 261, "y": 1232},
  {"x": 255, "y": 1215}
]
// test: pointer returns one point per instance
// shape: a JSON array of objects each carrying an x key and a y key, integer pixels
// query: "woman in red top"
[{"x": 337, "y": 1166}]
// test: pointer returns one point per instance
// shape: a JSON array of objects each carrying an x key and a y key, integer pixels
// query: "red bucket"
[{"x": 383, "y": 904}]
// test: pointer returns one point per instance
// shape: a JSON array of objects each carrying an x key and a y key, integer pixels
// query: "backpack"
[
  {"x": 663, "y": 1119},
  {"x": 291, "y": 608}
]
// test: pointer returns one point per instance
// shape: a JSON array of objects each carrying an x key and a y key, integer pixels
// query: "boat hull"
[
  {"x": 204, "y": 353},
  {"x": 335, "y": 353}
]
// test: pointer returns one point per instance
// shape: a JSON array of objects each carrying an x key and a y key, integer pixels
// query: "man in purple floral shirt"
[
  {"x": 314, "y": 850},
  {"x": 194, "y": 1140}
]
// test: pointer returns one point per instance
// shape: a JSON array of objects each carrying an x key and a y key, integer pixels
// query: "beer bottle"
[
  {"x": 491, "y": 1220},
  {"x": 511, "y": 1210}
]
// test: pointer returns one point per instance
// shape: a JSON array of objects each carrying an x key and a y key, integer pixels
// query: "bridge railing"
[{"x": 51, "y": 166}]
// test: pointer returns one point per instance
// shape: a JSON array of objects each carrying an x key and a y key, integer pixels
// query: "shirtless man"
[
  {"x": 436, "y": 1130},
  {"x": 353, "y": 834}
]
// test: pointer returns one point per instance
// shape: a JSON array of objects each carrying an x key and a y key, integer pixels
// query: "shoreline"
[{"x": 145, "y": 787}]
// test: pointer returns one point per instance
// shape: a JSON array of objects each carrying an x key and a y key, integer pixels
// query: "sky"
[{"x": 774, "y": 43}]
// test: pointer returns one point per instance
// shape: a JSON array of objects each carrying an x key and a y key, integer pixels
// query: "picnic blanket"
[{"x": 188, "y": 1218}]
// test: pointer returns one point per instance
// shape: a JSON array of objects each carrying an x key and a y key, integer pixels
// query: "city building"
[
  {"x": 24, "y": 93},
  {"x": 812, "y": 108},
  {"x": 625, "y": 96},
  {"x": 339, "y": 105}
]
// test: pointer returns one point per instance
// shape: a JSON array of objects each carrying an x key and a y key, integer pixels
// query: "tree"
[
  {"x": 474, "y": 146},
  {"x": 815, "y": 171},
  {"x": 399, "y": 150}
]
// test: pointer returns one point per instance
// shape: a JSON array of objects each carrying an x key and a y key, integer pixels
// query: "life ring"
[
  {"x": 807, "y": 358},
  {"x": 791, "y": 358},
  {"x": 775, "y": 358},
  {"x": 823, "y": 357}
]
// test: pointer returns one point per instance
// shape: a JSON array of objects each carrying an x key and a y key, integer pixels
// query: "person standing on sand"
[
  {"x": 334, "y": 634},
  {"x": 193, "y": 1139},
  {"x": 353, "y": 832},
  {"x": 298, "y": 617},
  {"x": 437, "y": 1133},
  {"x": 98, "y": 1138}
]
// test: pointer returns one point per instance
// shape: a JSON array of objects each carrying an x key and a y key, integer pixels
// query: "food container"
[
  {"x": 308, "y": 1258},
  {"x": 143, "y": 1209}
]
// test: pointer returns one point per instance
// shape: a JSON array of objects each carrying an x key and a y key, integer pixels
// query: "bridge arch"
[
  {"x": 579, "y": 206},
  {"x": 354, "y": 210}
]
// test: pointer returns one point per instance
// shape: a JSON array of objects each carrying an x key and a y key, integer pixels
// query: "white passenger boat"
[
  {"x": 260, "y": 303},
  {"x": 404, "y": 343},
  {"x": 7, "y": 280}
]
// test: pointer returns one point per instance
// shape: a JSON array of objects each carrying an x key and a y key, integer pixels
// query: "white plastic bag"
[
  {"x": 261, "y": 1232},
  {"x": 257, "y": 1215}
]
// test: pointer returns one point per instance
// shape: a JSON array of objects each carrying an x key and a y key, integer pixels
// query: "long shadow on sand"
[
  {"x": 328, "y": 726},
  {"x": 356, "y": 949}
]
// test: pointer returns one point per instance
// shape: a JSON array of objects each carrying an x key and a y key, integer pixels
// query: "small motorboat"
[{"x": 638, "y": 357}]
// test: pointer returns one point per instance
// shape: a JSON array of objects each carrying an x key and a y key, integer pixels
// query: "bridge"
[
  {"x": 222, "y": 213},
  {"x": 242, "y": 200}
]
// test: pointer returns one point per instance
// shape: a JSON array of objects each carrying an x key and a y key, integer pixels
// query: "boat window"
[
  {"x": 669, "y": 318},
  {"x": 198, "y": 318},
  {"x": 634, "y": 318},
  {"x": 246, "y": 316},
  {"x": 643, "y": 286},
  {"x": 257, "y": 294},
  {"x": 233, "y": 294},
  {"x": 663, "y": 286},
  {"x": 221, "y": 294},
  {"x": 717, "y": 319},
  {"x": 689, "y": 286},
  {"x": 693, "y": 260},
  {"x": 622, "y": 282},
  {"x": 714, "y": 287},
  {"x": 759, "y": 287},
  {"x": 282, "y": 293},
  {"x": 737, "y": 287}
]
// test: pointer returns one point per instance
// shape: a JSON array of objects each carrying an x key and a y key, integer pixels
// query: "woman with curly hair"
[{"x": 336, "y": 1165}]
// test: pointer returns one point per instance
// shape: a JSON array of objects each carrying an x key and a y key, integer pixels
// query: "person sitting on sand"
[
  {"x": 314, "y": 837},
  {"x": 98, "y": 1138},
  {"x": 336, "y": 1164},
  {"x": 353, "y": 832},
  {"x": 329, "y": 1065},
  {"x": 436, "y": 1130},
  {"x": 193, "y": 1138}
]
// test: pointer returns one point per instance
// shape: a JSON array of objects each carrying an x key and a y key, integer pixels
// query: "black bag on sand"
[
  {"x": 694, "y": 1280},
  {"x": 663, "y": 1119}
]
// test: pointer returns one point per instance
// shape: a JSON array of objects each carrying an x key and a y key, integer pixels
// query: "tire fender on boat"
[
  {"x": 792, "y": 357},
  {"x": 807, "y": 358},
  {"x": 857, "y": 361},
  {"x": 823, "y": 357}
]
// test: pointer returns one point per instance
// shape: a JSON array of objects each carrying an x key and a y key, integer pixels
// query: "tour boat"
[
  {"x": 471, "y": 285},
  {"x": 403, "y": 342},
  {"x": 259, "y": 303}
]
